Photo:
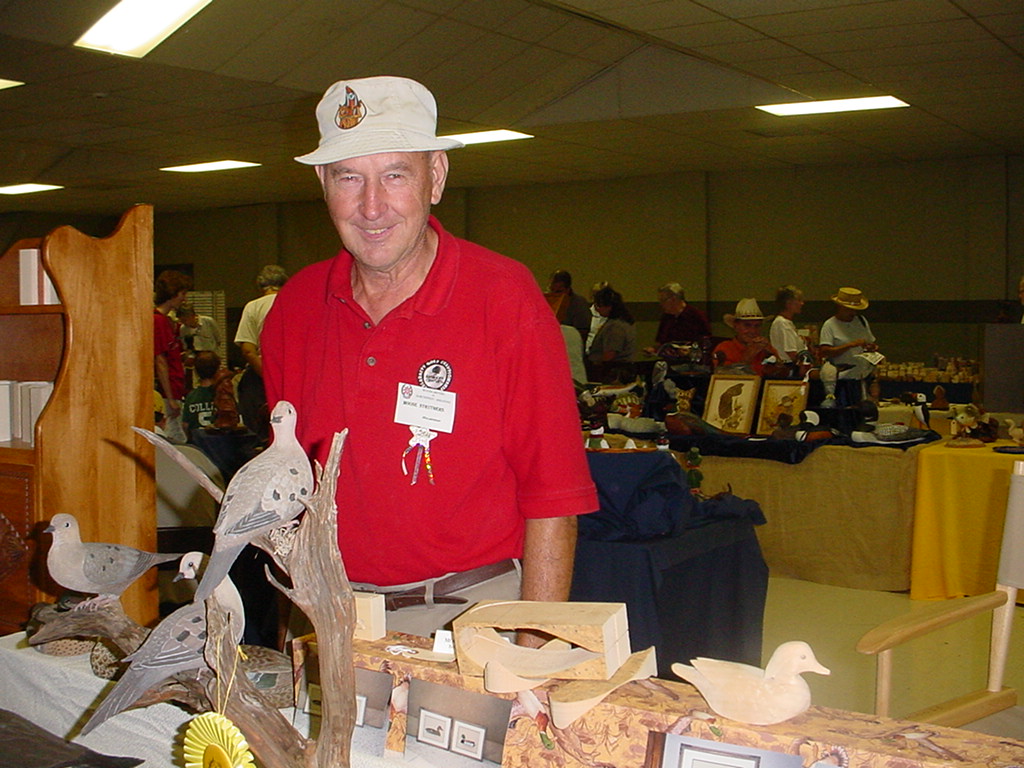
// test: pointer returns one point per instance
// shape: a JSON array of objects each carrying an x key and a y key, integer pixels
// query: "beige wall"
[
  {"x": 929, "y": 230},
  {"x": 915, "y": 232},
  {"x": 635, "y": 233}
]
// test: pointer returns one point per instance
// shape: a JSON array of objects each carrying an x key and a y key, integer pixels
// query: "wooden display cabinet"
[{"x": 96, "y": 346}]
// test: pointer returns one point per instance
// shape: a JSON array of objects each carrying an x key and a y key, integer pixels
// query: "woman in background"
[{"x": 613, "y": 349}]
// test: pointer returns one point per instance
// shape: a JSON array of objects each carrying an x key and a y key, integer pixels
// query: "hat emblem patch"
[{"x": 350, "y": 112}]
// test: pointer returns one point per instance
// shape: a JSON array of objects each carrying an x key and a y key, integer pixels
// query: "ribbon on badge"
[{"x": 420, "y": 443}]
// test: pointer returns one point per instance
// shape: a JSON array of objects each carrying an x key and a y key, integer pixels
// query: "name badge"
[{"x": 424, "y": 407}]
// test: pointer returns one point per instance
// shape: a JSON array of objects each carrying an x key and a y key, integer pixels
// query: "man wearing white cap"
[
  {"x": 748, "y": 350},
  {"x": 437, "y": 354}
]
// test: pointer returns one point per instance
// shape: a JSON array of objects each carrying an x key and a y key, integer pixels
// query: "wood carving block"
[
  {"x": 370, "y": 621},
  {"x": 597, "y": 635}
]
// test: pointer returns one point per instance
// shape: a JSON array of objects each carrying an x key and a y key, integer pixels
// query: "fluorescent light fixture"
[
  {"x": 136, "y": 27},
  {"x": 25, "y": 189},
  {"x": 834, "y": 105},
  {"x": 217, "y": 165},
  {"x": 9, "y": 83},
  {"x": 484, "y": 137}
]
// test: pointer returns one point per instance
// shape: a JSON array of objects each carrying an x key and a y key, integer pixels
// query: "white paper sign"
[{"x": 418, "y": 406}]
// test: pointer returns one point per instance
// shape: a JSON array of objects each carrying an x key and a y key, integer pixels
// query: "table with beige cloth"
[{"x": 843, "y": 516}]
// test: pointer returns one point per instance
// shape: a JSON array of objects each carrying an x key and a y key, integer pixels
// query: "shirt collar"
[{"x": 429, "y": 299}]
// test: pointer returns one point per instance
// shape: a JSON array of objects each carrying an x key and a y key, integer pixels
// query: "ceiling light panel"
[
  {"x": 136, "y": 27},
  {"x": 833, "y": 105}
]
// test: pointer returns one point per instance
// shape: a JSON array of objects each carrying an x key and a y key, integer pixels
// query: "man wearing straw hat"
[
  {"x": 749, "y": 350},
  {"x": 845, "y": 338},
  {"x": 433, "y": 352}
]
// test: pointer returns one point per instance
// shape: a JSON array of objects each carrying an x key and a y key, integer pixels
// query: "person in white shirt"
[
  {"x": 783, "y": 334},
  {"x": 845, "y": 337},
  {"x": 199, "y": 332},
  {"x": 252, "y": 396}
]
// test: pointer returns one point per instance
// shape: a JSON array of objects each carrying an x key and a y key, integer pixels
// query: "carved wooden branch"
[
  {"x": 270, "y": 736},
  {"x": 107, "y": 620},
  {"x": 321, "y": 589}
]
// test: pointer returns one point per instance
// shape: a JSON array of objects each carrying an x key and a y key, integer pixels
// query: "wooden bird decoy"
[
  {"x": 104, "y": 570},
  {"x": 266, "y": 493},
  {"x": 749, "y": 694},
  {"x": 175, "y": 645}
]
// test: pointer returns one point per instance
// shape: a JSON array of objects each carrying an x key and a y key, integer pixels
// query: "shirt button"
[
  {"x": 366, "y": 325},
  {"x": 371, "y": 361}
]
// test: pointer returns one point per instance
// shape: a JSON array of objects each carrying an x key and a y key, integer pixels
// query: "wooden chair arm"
[{"x": 899, "y": 630}]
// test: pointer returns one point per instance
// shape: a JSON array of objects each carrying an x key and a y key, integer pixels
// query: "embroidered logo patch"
[
  {"x": 435, "y": 374},
  {"x": 351, "y": 112}
]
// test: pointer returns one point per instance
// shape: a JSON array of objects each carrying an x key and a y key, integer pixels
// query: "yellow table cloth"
[{"x": 959, "y": 507}]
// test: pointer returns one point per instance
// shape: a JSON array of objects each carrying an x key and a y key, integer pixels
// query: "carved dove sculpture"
[
  {"x": 175, "y": 645},
  {"x": 105, "y": 570},
  {"x": 752, "y": 695},
  {"x": 267, "y": 492}
]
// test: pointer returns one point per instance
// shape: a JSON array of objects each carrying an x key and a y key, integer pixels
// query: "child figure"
[{"x": 198, "y": 408}]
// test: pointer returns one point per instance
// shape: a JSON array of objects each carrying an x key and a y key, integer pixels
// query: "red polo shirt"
[{"x": 480, "y": 328}]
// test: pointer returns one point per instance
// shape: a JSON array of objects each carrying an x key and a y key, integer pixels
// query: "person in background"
[
  {"x": 845, "y": 337},
  {"x": 159, "y": 414},
  {"x": 432, "y": 351},
  {"x": 1020, "y": 295},
  {"x": 200, "y": 333},
  {"x": 783, "y": 334},
  {"x": 169, "y": 292},
  {"x": 748, "y": 351},
  {"x": 680, "y": 321},
  {"x": 614, "y": 347},
  {"x": 252, "y": 397},
  {"x": 199, "y": 409},
  {"x": 596, "y": 319},
  {"x": 574, "y": 310}
]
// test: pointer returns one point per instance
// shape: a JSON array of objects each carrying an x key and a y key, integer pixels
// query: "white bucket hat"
[
  {"x": 746, "y": 309},
  {"x": 375, "y": 114}
]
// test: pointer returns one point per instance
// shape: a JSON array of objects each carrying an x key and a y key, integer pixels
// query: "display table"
[
  {"x": 843, "y": 516},
  {"x": 959, "y": 509},
  {"x": 55, "y": 691}
]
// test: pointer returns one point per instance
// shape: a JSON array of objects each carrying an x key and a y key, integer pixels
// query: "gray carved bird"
[
  {"x": 105, "y": 570},
  {"x": 751, "y": 695},
  {"x": 264, "y": 494},
  {"x": 175, "y": 645}
]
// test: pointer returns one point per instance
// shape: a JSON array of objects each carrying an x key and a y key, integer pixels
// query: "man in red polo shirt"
[{"x": 447, "y": 366}]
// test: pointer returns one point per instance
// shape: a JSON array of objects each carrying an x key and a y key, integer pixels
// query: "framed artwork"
[
  {"x": 434, "y": 729},
  {"x": 468, "y": 739},
  {"x": 668, "y": 750},
  {"x": 731, "y": 402},
  {"x": 695, "y": 757},
  {"x": 780, "y": 398}
]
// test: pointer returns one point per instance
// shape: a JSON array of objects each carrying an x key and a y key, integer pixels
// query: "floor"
[{"x": 951, "y": 662}]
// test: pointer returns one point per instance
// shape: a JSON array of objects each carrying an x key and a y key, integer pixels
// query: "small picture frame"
[
  {"x": 468, "y": 739},
  {"x": 697, "y": 757},
  {"x": 731, "y": 402},
  {"x": 434, "y": 729},
  {"x": 780, "y": 397}
]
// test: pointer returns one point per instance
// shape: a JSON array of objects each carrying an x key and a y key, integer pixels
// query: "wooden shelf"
[
  {"x": 32, "y": 309},
  {"x": 86, "y": 460},
  {"x": 17, "y": 452}
]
